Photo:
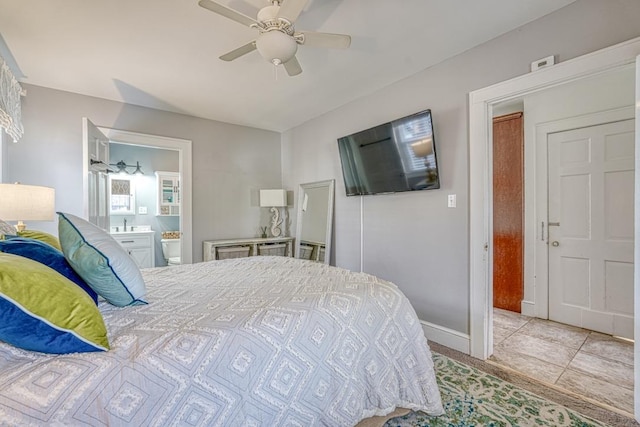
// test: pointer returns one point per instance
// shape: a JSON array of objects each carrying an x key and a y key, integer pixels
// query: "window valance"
[{"x": 10, "y": 107}]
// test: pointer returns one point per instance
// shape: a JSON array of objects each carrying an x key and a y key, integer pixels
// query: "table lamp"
[
  {"x": 19, "y": 202},
  {"x": 274, "y": 199}
]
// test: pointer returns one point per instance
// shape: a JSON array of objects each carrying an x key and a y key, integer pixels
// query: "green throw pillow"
[
  {"x": 42, "y": 236},
  {"x": 41, "y": 310}
]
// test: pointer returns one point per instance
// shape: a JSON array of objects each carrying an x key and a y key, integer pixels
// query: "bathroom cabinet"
[
  {"x": 139, "y": 245},
  {"x": 168, "y": 193}
]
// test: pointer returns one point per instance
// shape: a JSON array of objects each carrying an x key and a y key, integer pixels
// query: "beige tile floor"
[{"x": 591, "y": 364}]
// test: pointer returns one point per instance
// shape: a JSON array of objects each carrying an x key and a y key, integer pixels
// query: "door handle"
[{"x": 555, "y": 243}]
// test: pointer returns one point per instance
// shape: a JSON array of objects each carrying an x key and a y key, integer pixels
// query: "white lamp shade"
[
  {"x": 273, "y": 198},
  {"x": 20, "y": 202},
  {"x": 423, "y": 148}
]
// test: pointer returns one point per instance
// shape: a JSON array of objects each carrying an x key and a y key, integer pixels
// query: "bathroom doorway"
[
  {"x": 182, "y": 147},
  {"x": 146, "y": 211}
]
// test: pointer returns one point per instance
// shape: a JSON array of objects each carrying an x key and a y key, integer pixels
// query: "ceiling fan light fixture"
[
  {"x": 276, "y": 46},
  {"x": 277, "y": 41}
]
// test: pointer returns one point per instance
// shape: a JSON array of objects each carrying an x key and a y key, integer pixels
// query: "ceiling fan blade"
[
  {"x": 328, "y": 40},
  {"x": 226, "y": 12},
  {"x": 291, "y": 9},
  {"x": 293, "y": 67},
  {"x": 237, "y": 53}
]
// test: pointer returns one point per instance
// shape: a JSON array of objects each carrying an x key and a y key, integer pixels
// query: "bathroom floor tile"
[
  {"x": 568, "y": 336},
  {"x": 548, "y": 351},
  {"x": 607, "y": 370},
  {"x": 609, "y": 347},
  {"x": 587, "y": 363},
  {"x": 597, "y": 389},
  {"x": 528, "y": 365},
  {"x": 509, "y": 320}
]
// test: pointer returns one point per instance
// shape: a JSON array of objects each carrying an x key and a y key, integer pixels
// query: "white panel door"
[
  {"x": 97, "y": 146},
  {"x": 591, "y": 227}
]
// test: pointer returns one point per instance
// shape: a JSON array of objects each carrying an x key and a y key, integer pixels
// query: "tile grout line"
[{"x": 572, "y": 358}]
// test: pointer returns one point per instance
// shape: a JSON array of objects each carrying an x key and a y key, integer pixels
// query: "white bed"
[{"x": 260, "y": 341}]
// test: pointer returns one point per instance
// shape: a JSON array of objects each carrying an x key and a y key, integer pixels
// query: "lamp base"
[{"x": 275, "y": 222}]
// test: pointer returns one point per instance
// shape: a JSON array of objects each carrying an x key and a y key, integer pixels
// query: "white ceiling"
[{"x": 164, "y": 53}]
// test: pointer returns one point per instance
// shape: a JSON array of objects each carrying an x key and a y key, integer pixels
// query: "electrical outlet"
[
  {"x": 451, "y": 201},
  {"x": 142, "y": 210}
]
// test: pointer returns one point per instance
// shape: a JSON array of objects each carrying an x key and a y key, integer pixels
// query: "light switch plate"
[
  {"x": 142, "y": 210},
  {"x": 451, "y": 201}
]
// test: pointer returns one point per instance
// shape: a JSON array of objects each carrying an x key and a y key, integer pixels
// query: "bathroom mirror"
[
  {"x": 122, "y": 195},
  {"x": 315, "y": 221}
]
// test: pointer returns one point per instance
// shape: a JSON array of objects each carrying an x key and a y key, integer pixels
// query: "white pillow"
[
  {"x": 100, "y": 261},
  {"x": 7, "y": 229}
]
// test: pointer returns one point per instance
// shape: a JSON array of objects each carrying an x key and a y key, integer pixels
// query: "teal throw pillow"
[{"x": 103, "y": 264}]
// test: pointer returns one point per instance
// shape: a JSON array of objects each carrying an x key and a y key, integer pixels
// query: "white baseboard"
[
  {"x": 447, "y": 337},
  {"x": 528, "y": 308}
]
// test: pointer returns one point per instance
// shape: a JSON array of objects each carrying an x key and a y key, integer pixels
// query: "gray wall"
[
  {"x": 230, "y": 163},
  {"x": 413, "y": 239}
]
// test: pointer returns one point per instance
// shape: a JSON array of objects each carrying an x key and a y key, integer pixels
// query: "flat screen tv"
[{"x": 390, "y": 158}]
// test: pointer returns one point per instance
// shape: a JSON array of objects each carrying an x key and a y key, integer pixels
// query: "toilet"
[{"x": 171, "y": 251}]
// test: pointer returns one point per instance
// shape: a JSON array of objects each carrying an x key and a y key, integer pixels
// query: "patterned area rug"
[{"x": 474, "y": 398}]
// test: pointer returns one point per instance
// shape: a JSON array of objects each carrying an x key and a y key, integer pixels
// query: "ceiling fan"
[{"x": 277, "y": 40}]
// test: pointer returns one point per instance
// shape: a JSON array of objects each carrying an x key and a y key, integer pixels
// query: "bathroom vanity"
[{"x": 139, "y": 245}]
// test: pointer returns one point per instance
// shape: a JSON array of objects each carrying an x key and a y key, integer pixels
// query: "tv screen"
[{"x": 390, "y": 158}]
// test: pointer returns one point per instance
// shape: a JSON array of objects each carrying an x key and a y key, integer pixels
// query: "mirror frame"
[{"x": 330, "y": 183}]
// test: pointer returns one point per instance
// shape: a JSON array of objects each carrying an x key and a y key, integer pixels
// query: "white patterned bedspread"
[{"x": 260, "y": 341}]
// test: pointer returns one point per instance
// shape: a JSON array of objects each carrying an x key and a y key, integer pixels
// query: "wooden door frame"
[
  {"x": 541, "y": 247},
  {"x": 481, "y": 103}
]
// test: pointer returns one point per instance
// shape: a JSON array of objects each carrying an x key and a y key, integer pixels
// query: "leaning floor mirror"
[{"x": 315, "y": 221}]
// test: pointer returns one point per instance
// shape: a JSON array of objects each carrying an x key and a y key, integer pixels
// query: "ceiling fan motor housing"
[{"x": 268, "y": 13}]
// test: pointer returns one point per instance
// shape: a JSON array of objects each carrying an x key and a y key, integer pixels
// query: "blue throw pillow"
[
  {"x": 47, "y": 255},
  {"x": 41, "y": 310},
  {"x": 100, "y": 261}
]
